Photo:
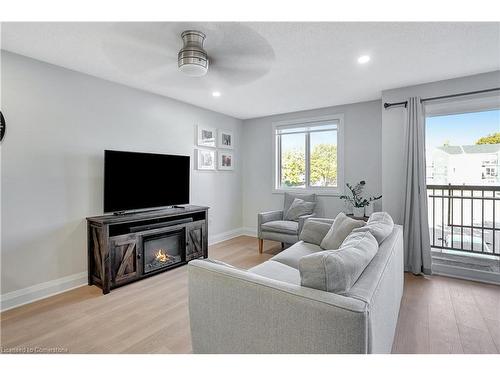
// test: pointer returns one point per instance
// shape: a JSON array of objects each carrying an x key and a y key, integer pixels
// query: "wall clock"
[{"x": 2, "y": 126}]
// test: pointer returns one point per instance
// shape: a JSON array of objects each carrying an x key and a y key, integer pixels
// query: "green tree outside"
[
  {"x": 489, "y": 139},
  {"x": 323, "y": 166},
  {"x": 293, "y": 168}
]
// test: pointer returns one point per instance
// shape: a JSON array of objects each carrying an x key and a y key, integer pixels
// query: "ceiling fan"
[
  {"x": 192, "y": 58},
  {"x": 219, "y": 54}
]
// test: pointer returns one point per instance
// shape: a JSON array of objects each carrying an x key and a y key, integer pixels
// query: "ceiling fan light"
[
  {"x": 193, "y": 70},
  {"x": 192, "y": 58}
]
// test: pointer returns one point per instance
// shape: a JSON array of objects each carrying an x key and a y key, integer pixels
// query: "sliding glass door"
[{"x": 463, "y": 182}]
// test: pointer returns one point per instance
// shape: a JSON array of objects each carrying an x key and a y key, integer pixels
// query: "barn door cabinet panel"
[
  {"x": 126, "y": 255},
  {"x": 196, "y": 240}
]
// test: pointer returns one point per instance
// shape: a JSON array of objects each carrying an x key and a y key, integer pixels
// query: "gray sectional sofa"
[{"x": 266, "y": 310}]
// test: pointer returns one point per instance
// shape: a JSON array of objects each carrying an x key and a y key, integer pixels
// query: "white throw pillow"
[
  {"x": 379, "y": 224},
  {"x": 341, "y": 228},
  {"x": 336, "y": 271}
]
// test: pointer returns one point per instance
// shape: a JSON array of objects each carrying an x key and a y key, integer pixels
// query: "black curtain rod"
[{"x": 389, "y": 105}]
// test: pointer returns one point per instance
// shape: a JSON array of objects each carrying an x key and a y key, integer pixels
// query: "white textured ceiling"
[{"x": 265, "y": 68}]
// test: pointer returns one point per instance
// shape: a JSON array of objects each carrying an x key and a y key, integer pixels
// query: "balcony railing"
[{"x": 464, "y": 218}]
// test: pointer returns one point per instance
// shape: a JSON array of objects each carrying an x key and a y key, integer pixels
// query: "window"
[{"x": 308, "y": 155}]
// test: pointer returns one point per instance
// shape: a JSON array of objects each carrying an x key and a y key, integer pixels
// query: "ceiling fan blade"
[
  {"x": 136, "y": 48},
  {"x": 237, "y": 75},
  {"x": 241, "y": 56}
]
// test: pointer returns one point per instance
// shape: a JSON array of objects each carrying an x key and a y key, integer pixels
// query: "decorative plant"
[{"x": 357, "y": 199}]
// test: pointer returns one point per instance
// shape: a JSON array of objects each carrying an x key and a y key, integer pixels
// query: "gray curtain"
[{"x": 416, "y": 225}]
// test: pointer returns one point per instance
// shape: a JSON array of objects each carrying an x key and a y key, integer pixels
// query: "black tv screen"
[{"x": 135, "y": 180}]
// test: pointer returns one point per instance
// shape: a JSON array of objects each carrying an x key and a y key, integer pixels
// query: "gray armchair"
[{"x": 272, "y": 226}]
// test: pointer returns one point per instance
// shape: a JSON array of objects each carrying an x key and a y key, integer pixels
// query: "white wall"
[
  {"x": 362, "y": 157},
  {"x": 393, "y": 180},
  {"x": 59, "y": 123}
]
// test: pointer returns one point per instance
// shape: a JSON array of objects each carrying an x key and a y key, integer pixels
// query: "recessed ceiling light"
[
  {"x": 216, "y": 94},
  {"x": 363, "y": 59}
]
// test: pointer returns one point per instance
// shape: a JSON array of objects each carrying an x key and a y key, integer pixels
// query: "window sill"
[{"x": 332, "y": 192}]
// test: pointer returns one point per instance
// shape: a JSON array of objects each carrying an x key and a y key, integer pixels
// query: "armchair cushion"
[
  {"x": 265, "y": 217},
  {"x": 281, "y": 226},
  {"x": 299, "y": 207}
]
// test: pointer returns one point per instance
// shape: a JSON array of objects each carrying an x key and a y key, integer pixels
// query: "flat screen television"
[{"x": 136, "y": 180}]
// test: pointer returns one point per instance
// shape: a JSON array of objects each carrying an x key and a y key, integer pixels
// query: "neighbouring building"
[{"x": 467, "y": 164}]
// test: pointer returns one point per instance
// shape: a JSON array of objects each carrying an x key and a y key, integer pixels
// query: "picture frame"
[
  {"x": 206, "y": 136},
  {"x": 205, "y": 159},
  {"x": 225, "y": 139},
  {"x": 225, "y": 160}
]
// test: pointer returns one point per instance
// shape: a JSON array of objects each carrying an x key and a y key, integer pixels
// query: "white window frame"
[{"x": 304, "y": 122}]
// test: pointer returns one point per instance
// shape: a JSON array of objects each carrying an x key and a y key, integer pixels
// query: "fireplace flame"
[{"x": 162, "y": 256}]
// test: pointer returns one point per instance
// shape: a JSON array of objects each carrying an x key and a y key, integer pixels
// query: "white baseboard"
[
  {"x": 224, "y": 236},
  {"x": 249, "y": 231},
  {"x": 466, "y": 274},
  {"x": 40, "y": 291}
]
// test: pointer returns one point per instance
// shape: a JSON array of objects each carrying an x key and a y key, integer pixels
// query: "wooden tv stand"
[{"x": 118, "y": 244}]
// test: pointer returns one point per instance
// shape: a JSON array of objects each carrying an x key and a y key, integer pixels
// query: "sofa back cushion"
[
  {"x": 289, "y": 197},
  {"x": 314, "y": 231},
  {"x": 341, "y": 228},
  {"x": 298, "y": 208},
  {"x": 380, "y": 224},
  {"x": 390, "y": 250},
  {"x": 336, "y": 271}
]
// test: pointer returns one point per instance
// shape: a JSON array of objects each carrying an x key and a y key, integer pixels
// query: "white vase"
[
  {"x": 358, "y": 211},
  {"x": 368, "y": 210}
]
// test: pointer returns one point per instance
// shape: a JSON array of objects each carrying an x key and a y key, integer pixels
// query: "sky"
[
  {"x": 461, "y": 129},
  {"x": 297, "y": 141}
]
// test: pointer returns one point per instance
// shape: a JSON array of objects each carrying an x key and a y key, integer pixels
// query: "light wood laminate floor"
[{"x": 438, "y": 314}]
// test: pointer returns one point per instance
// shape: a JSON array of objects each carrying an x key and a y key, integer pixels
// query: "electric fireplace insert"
[{"x": 163, "y": 250}]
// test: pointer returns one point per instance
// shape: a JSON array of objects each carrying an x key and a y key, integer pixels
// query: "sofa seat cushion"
[
  {"x": 336, "y": 271},
  {"x": 292, "y": 255},
  {"x": 277, "y": 271},
  {"x": 281, "y": 226}
]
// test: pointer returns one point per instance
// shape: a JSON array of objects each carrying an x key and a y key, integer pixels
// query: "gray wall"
[
  {"x": 59, "y": 123},
  {"x": 393, "y": 177},
  {"x": 362, "y": 157}
]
